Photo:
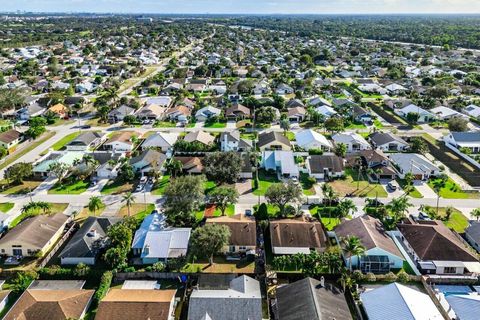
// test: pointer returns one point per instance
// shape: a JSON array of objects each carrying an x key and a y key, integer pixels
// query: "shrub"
[
  {"x": 402, "y": 276},
  {"x": 261, "y": 212},
  {"x": 104, "y": 285},
  {"x": 158, "y": 266},
  {"x": 390, "y": 277},
  {"x": 81, "y": 270},
  {"x": 357, "y": 275},
  {"x": 315, "y": 151},
  {"x": 370, "y": 277},
  {"x": 23, "y": 280}
]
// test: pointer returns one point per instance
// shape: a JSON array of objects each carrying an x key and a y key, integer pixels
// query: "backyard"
[
  {"x": 220, "y": 265},
  {"x": 357, "y": 186}
]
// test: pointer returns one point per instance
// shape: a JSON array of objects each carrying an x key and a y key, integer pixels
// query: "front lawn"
[
  {"x": 6, "y": 206},
  {"x": 290, "y": 135},
  {"x": 414, "y": 193},
  {"x": 137, "y": 210},
  {"x": 75, "y": 187},
  {"x": 23, "y": 188},
  {"x": 457, "y": 221},
  {"x": 349, "y": 184},
  {"x": 200, "y": 214},
  {"x": 307, "y": 184},
  {"x": 209, "y": 186},
  {"x": 356, "y": 126},
  {"x": 55, "y": 208},
  {"x": 216, "y": 125},
  {"x": 160, "y": 185},
  {"x": 452, "y": 190},
  {"x": 165, "y": 124},
  {"x": 265, "y": 180},
  {"x": 117, "y": 187},
  {"x": 65, "y": 140}
]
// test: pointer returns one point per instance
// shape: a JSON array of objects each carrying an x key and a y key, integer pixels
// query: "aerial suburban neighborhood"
[{"x": 238, "y": 168}]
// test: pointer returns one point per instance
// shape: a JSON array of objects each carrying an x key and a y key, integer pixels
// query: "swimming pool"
[{"x": 448, "y": 290}]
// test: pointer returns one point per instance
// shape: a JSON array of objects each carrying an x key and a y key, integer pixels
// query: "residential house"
[
  {"x": 41, "y": 169},
  {"x": 206, "y": 113},
  {"x": 60, "y": 110},
  {"x": 445, "y": 113},
  {"x": 283, "y": 89},
  {"x": 179, "y": 113},
  {"x": 361, "y": 114},
  {"x": 319, "y": 102},
  {"x": 155, "y": 241},
  {"x": 352, "y": 140},
  {"x": 88, "y": 242},
  {"x": 296, "y": 114},
  {"x": 33, "y": 235},
  {"x": 398, "y": 302},
  {"x": 240, "y": 300},
  {"x": 464, "y": 141},
  {"x": 311, "y": 299},
  {"x": 191, "y": 165},
  {"x": 118, "y": 114},
  {"x": 237, "y": 112},
  {"x": 463, "y": 306},
  {"x": 282, "y": 162},
  {"x": 326, "y": 111},
  {"x": 53, "y": 300},
  {"x": 291, "y": 236},
  {"x": 161, "y": 101},
  {"x": 436, "y": 249},
  {"x": 126, "y": 304},
  {"x": 121, "y": 142},
  {"x": 147, "y": 161},
  {"x": 151, "y": 112},
  {"x": 423, "y": 115},
  {"x": 30, "y": 111},
  {"x": 200, "y": 137},
  {"x": 417, "y": 164},
  {"x": 377, "y": 161},
  {"x": 273, "y": 140},
  {"x": 9, "y": 139},
  {"x": 163, "y": 141},
  {"x": 472, "y": 234},
  {"x": 395, "y": 89},
  {"x": 325, "y": 167},
  {"x": 232, "y": 141},
  {"x": 387, "y": 141},
  {"x": 310, "y": 139},
  {"x": 108, "y": 164},
  {"x": 243, "y": 234},
  {"x": 381, "y": 254},
  {"x": 473, "y": 111},
  {"x": 86, "y": 141}
]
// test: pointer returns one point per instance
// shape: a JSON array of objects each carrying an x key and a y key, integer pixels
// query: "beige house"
[
  {"x": 10, "y": 139},
  {"x": 273, "y": 141},
  {"x": 243, "y": 235},
  {"x": 33, "y": 235}
]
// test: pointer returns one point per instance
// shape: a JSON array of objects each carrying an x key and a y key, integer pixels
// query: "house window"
[
  {"x": 242, "y": 248},
  {"x": 3, "y": 250},
  {"x": 231, "y": 248},
  {"x": 449, "y": 270}
]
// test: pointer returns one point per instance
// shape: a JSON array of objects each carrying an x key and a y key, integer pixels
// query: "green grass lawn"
[
  {"x": 16, "y": 155},
  {"x": 414, "y": 193},
  {"x": 457, "y": 221},
  {"x": 60, "y": 144},
  {"x": 6, "y": 206},
  {"x": 378, "y": 124},
  {"x": 217, "y": 125},
  {"x": 330, "y": 223},
  {"x": 77, "y": 187},
  {"x": 272, "y": 210},
  {"x": 117, "y": 187},
  {"x": 265, "y": 180},
  {"x": 230, "y": 211},
  {"x": 209, "y": 186},
  {"x": 290, "y": 135},
  {"x": 23, "y": 188},
  {"x": 307, "y": 184},
  {"x": 247, "y": 135},
  {"x": 453, "y": 191},
  {"x": 350, "y": 183},
  {"x": 56, "y": 208},
  {"x": 137, "y": 210},
  {"x": 165, "y": 124},
  {"x": 354, "y": 126},
  {"x": 160, "y": 185}
]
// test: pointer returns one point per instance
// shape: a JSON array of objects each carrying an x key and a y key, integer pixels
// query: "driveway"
[
  {"x": 425, "y": 190},
  {"x": 199, "y": 124},
  {"x": 231, "y": 125},
  {"x": 390, "y": 193},
  {"x": 97, "y": 187}
]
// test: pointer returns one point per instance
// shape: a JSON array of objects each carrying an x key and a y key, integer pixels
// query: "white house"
[
  {"x": 161, "y": 140},
  {"x": 326, "y": 111},
  {"x": 472, "y": 110},
  {"x": 352, "y": 140},
  {"x": 310, "y": 139},
  {"x": 423, "y": 115},
  {"x": 444, "y": 113},
  {"x": 231, "y": 141},
  {"x": 283, "y": 162},
  {"x": 417, "y": 164},
  {"x": 206, "y": 113},
  {"x": 461, "y": 140}
]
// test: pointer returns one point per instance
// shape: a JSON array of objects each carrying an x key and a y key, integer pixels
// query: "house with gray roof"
[
  {"x": 148, "y": 161},
  {"x": 120, "y": 113},
  {"x": 85, "y": 141},
  {"x": 311, "y": 299},
  {"x": 417, "y": 164},
  {"x": 325, "y": 166},
  {"x": 87, "y": 243},
  {"x": 472, "y": 234},
  {"x": 469, "y": 140},
  {"x": 387, "y": 141},
  {"x": 155, "y": 241},
  {"x": 231, "y": 141},
  {"x": 273, "y": 140},
  {"x": 240, "y": 301}
]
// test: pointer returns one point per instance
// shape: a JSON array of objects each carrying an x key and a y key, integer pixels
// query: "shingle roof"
[
  {"x": 272, "y": 136},
  {"x": 141, "y": 304},
  {"x": 297, "y": 233},
  {"x": 308, "y": 299},
  {"x": 9, "y": 136},
  {"x": 318, "y": 163},
  {"x": 242, "y": 229},
  {"x": 434, "y": 241},
  {"x": 466, "y": 136},
  {"x": 371, "y": 233},
  {"x": 381, "y": 138},
  {"x": 200, "y": 136},
  {"x": 86, "y": 138}
]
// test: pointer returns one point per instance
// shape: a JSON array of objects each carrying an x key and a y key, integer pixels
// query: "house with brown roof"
[
  {"x": 179, "y": 113},
  {"x": 141, "y": 304},
  {"x": 121, "y": 142},
  {"x": 381, "y": 253},
  {"x": 325, "y": 167},
  {"x": 151, "y": 112},
  {"x": 243, "y": 235},
  {"x": 191, "y": 165},
  {"x": 60, "y": 110},
  {"x": 273, "y": 140},
  {"x": 291, "y": 236},
  {"x": 10, "y": 139},
  {"x": 382, "y": 168},
  {"x": 33, "y": 235},
  {"x": 237, "y": 111},
  {"x": 436, "y": 249},
  {"x": 296, "y": 114},
  {"x": 52, "y": 300}
]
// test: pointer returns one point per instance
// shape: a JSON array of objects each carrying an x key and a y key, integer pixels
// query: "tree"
[
  {"x": 398, "y": 207},
  {"x": 129, "y": 199},
  {"x": 334, "y": 124},
  {"x": 281, "y": 194},
  {"x": 438, "y": 185},
  {"x": 457, "y": 124},
  {"x": 94, "y": 204},
  {"x": 208, "y": 240},
  {"x": 413, "y": 117},
  {"x": 36, "y": 127},
  {"x": 11, "y": 99},
  {"x": 18, "y": 172},
  {"x": 59, "y": 170},
  {"x": 174, "y": 167},
  {"x": 222, "y": 167},
  {"x": 418, "y": 145},
  {"x": 340, "y": 150},
  {"x": 352, "y": 247},
  {"x": 329, "y": 194},
  {"x": 223, "y": 197},
  {"x": 345, "y": 207},
  {"x": 126, "y": 173},
  {"x": 475, "y": 213},
  {"x": 285, "y": 125},
  {"x": 183, "y": 197},
  {"x": 266, "y": 115}
]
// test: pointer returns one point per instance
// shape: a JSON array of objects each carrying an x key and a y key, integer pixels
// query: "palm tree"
[
  {"x": 129, "y": 199},
  {"x": 476, "y": 213},
  {"x": 438, "y": 185},
  {"x": 352, "y": 247},
  {"x": 344, "y": 208},
  {"x": 94, "y": 204},
  {"x": 398, "y": 207},
  {"x": 175, "y": 167}
]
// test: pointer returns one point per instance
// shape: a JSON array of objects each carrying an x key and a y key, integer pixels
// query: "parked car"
[
  {"x": 143, "y": 180},
  {"x": 393, "y": 185}
]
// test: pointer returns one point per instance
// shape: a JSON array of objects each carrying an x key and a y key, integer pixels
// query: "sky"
[{"x": 245, "y": 6}]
